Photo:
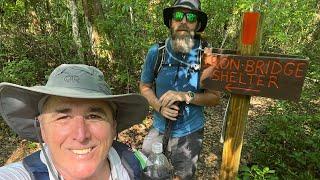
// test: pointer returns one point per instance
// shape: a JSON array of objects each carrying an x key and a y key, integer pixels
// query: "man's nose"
[
  {"x": 184, "y": 20},
  {"x": 81, "y": 129}
]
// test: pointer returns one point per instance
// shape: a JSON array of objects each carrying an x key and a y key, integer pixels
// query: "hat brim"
[
  {"x": 202, "y": 17},
  {"x": 19, "y": 106}
]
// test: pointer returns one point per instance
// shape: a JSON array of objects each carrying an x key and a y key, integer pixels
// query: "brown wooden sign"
[{"x": 269, "y": 75}]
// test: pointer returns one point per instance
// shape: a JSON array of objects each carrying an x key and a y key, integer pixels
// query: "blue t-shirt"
[{"x": 175, "y": 74}]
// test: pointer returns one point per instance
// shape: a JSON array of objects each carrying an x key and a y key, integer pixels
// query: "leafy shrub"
[
  {"x": 22, "y": 72},
  {"x": 290, "y": 145},
  {"x": 257, "y": 173}
]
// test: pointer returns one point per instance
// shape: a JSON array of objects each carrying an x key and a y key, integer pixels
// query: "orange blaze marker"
[{"x": 250, "y": 25}]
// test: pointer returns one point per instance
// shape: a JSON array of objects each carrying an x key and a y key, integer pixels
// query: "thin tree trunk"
[
  {"x": 88, "y": 21},
  {"x": 49, "y": 19},
  {"x": 75, "y": 28},
  {"x": 131, "y": 15},
  {"x": 92, "y": 10}
]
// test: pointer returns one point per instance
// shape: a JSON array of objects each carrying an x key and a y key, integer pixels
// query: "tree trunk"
[
  {"x": 75, "y": 28},
  {"x": 92, "y": 10}
]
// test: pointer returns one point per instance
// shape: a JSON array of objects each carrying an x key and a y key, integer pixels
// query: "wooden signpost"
[{"x": 245, "y": 73}]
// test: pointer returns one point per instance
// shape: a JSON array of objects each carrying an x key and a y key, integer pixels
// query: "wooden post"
[{"x": 250, "y": 40}]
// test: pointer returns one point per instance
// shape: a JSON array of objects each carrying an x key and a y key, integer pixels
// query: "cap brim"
[
  {"x": 202, "y": 17},
  {"x": 19, "y": 106}
]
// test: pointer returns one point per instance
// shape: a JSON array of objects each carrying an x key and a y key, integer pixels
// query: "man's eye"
[
  {"x": 94, "y": 116},
  {"x": 63, "y": 117}
]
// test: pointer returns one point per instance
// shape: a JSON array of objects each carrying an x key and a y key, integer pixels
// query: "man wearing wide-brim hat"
[
  {"x": 170, "y": 82},
  {"x": 77, "y": 118}
]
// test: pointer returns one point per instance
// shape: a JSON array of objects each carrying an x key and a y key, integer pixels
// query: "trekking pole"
[
  {"x": 166, "y": 136},
  {"x": 167, "y": 132}
]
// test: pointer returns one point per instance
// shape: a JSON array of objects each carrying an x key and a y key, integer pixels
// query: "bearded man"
[{"x": 173, "y": 88}]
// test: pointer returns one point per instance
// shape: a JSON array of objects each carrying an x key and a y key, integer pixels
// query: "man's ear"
[
  {"x": 41, "y": 128},
  {"x": 198, "y": 26},
  {"x": 115, "y": 128}
]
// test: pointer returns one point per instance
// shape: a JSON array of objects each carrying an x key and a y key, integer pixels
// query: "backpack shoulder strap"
[
  {"x": 128, "y": 159},
  {"x": 161, "y": 51},
  {"x": 38, "y": 170},
  {"x": 35, "y": 167},
  {"x": 203, "y": 45}
]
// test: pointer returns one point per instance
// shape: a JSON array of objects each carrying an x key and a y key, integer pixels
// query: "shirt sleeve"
[
  {"x": 14, "y": 171},
  {"x": 147, "y": 74}
]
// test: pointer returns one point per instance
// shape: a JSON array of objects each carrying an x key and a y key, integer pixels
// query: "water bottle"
[{"x": 157, "y": 167}]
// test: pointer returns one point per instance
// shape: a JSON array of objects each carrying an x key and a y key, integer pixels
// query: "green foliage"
[
  {"x": 130, "y": 39},
  {"x": 12, "y": 72},
  {"x": 290, "y": 143},
  {"x": 287, "y": 25},
  {"x": 256, "y": 173},
  {"x": 33, "y": 145},
  {"x": 41, "y": 31}
]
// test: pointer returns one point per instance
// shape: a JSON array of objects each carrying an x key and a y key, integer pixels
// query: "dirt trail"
[
  {"x": 13, "y": 148},
  {"x": 211, "y": 155}
]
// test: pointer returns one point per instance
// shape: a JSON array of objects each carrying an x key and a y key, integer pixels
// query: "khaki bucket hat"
[{"x": 19, "y": 105}]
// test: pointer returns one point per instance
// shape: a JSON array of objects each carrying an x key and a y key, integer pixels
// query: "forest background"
[{"x": 38, "y": 35}]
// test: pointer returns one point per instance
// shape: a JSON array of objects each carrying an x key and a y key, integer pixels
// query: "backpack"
[{"x": 38, "y": 170}]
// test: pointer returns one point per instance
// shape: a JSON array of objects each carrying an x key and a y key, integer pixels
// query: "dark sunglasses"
[{"x": 190, "y": 16}]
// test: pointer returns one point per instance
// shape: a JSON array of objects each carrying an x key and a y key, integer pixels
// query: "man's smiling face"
[{"x": 79, "y": 134}]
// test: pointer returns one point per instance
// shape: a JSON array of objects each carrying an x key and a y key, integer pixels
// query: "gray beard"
[{"x": 182, "y": 43}]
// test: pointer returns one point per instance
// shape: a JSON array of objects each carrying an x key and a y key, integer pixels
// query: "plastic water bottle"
[{"x": 158, "y": 166}]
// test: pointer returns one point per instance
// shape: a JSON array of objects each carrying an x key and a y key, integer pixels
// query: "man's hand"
[
  {"x": 171, "y": 112},
  {"x": 170, "y": 97},
  {"x": 207, "y": 51}
]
